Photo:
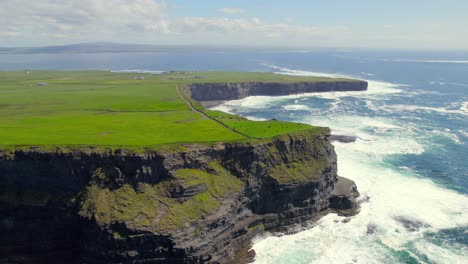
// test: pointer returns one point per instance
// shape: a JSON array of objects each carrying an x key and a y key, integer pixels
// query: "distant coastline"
[{"x": 104, "y": 47}]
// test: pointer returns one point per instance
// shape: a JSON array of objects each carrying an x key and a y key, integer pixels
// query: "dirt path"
[{"x": 187, "y": 101}]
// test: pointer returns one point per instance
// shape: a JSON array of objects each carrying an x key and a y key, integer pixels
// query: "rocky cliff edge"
[
  {"x": 188, "y": 204},
  {"x": 235, "y": 91}
]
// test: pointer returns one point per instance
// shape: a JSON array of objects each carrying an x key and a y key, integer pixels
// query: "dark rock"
[
  {"x": 371, "y": 229},
  {"x": 234, "y": 91},
  {"x": 411, "y": 225},
  {"x": 343, "y": 197},
  {"x": 343, "y": 138}
]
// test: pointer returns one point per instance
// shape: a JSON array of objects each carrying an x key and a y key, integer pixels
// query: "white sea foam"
[
  {"x": 464, "y": 107},
  {"x": 379, "y": 136},
  {"x": 438, "y": 254},
  {"x": 224, "y": 108},
  {"x": 252, "y": 102},
  {"x": 448, "y": 134},
  {"x": 367, "y": 74},
  {"x": 335, "y": 105},
  {"x": 462, "y": 110},
  {"x": 296, "y": 107},
  {"x": 463, "y": 132},
  {"x": 445, "y": 83},
  {"x": 416, "y": 92},
  {"x": 424, "y": 61}
]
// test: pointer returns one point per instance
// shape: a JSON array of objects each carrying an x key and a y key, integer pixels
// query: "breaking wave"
[
  {"x": 461, "y": 111},
  {"x": 423, "y": 61}
]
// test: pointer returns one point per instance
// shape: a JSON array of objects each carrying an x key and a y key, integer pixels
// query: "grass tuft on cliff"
[{"x": 58, "y": 109}]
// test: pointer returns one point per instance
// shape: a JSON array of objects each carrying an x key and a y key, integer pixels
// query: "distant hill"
[
  {"x": 87, "y": 48},
  {"x": 101, "y": 47}
]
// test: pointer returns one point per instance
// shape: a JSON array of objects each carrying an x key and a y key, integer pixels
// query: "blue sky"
[
  {"x": 330, "y": 11},
  {"x": 395, "y": 24}
]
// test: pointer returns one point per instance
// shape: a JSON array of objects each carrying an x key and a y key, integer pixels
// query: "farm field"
[{"x": 123, "y": 109}]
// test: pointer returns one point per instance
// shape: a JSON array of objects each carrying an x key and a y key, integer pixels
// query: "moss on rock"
[
  {"x": 136, "y": 209},
  {"x": 150, "y": 206},
  {"x": 218, "y": 184},
  {"x": 299, "y": 171}
]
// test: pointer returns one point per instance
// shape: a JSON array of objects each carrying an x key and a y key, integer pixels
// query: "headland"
[{"x": 101, "y": 167}]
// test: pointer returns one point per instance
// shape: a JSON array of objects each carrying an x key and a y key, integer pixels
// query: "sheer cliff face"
[
  {"x": 234, "y": 91},
  {"x": 196, "y": 203}
]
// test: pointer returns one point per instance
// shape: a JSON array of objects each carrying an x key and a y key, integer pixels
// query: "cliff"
[
  {"x": 234, "y": 91},
  {"x": 189, "y": 204}
]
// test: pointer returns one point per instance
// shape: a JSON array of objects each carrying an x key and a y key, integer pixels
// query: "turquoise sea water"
[{"x": 409, "y": 163}]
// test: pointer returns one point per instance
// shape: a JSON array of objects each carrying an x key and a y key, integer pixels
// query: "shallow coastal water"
[{"x": 409, "y": 161}]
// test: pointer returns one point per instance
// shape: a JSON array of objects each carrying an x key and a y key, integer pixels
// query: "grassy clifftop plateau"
[
  {"x": 123, "y": 110},
  {"x": 189, "y": 185}
]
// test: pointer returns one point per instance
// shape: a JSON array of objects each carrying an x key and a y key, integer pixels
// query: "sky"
[{"x": 396, "y": 24}]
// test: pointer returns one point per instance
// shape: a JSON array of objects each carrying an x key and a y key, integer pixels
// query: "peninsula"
[{"x": 127, "y": 167}]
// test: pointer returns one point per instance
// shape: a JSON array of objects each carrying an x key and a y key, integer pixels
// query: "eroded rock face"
[
  {"x": 196, "y": 204},
  {"x": 343, "y": 138},
  {"x": 344, "y": 196},
  {"x": 235, "y": 91}
]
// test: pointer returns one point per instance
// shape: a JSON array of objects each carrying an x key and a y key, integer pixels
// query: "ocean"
[{"x": 409, "y": 161}]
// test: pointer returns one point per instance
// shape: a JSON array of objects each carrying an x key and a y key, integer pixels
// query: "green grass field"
[
  {"x": 99, "y": 108},
  {"x": 258, "y": 129}
]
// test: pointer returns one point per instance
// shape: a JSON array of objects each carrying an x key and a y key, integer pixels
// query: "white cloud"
[
  {"x": 49, "y": 22},
  {"x": 81, "y": 18},
  {"x": 8, "y": 33},
  {"x": 231, "y": 10},
  {"x": 253, "y": 25},
  {"x": 140, "y": 21}
]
